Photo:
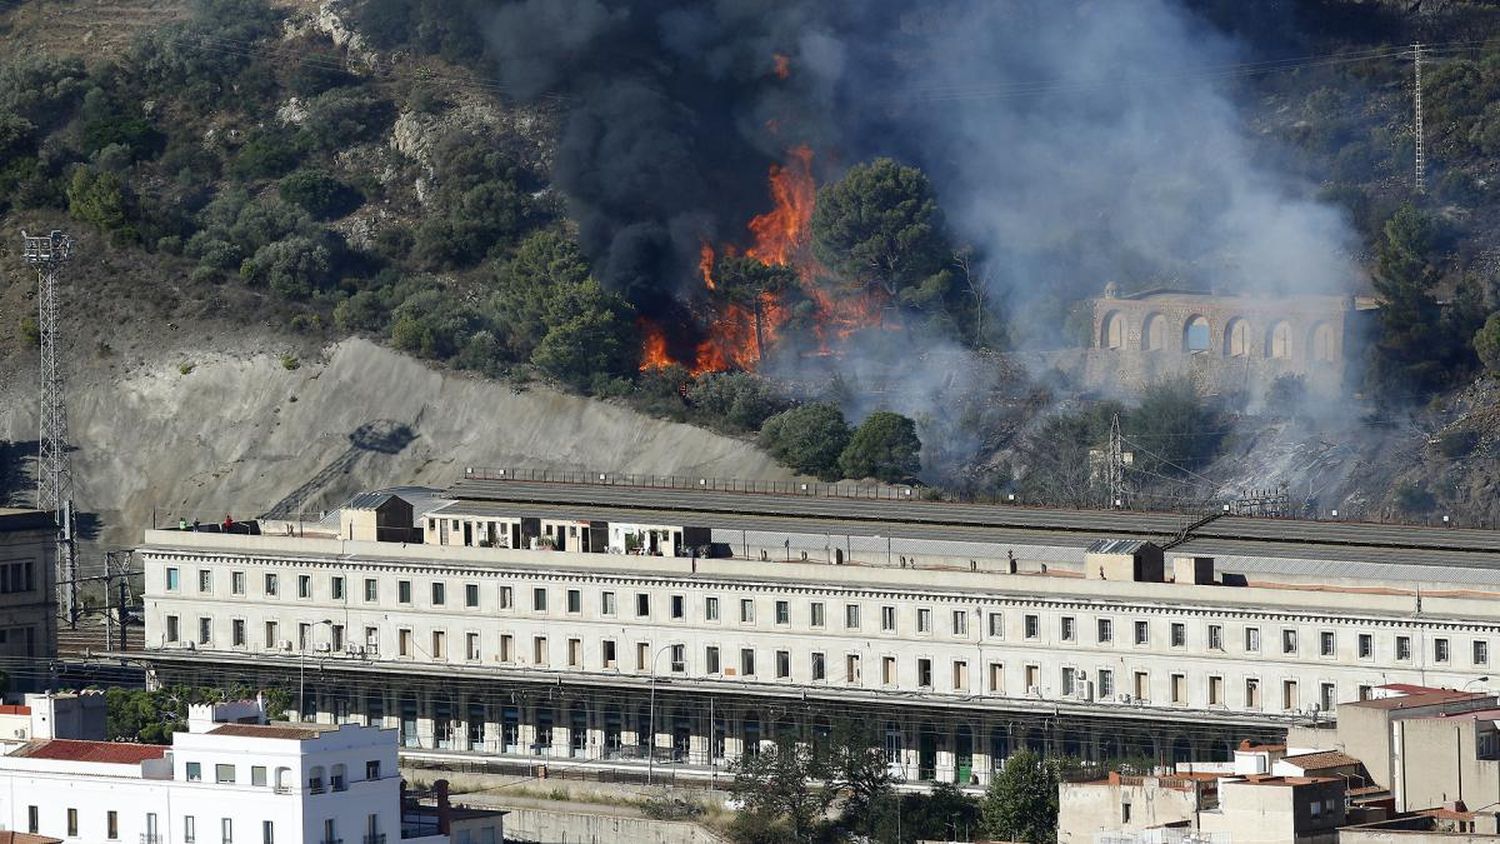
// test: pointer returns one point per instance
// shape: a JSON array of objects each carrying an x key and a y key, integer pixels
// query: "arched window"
[
  {"x": 1154, "y": 333},
  {"x": 1279, "y": 341},
  {"x": 315, "y": 779},
  {"x": 1236, "y": 339},
  {"x": 1195, "y": 334},
  {"x": 1321, "y": 343},
  {"x": 283, "y": 777},
  {"x": 339, "y": 778},
  {"x": 1112, "y": 333}
]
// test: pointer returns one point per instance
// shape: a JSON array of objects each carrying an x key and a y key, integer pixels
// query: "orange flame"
[
  {"x": 706, "y": 265},
  {"x": 781, "y": 65},
  {"x": 783, "y": 232},
  {"x": 653, "y": 346}
]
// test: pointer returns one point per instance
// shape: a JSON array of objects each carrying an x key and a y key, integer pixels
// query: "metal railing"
[
  {"x": 814, "y": 489},
  {"x": 377, "y": 838}
]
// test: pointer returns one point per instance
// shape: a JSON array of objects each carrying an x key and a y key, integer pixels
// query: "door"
[
  {"x": 468, "y": 533},
  {"x": 963, "y": 752}
]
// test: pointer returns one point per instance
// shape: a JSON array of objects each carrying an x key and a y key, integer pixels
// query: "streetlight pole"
[
  {"x": 651, "y": 745},
  {"x": 302, "y": 672}
]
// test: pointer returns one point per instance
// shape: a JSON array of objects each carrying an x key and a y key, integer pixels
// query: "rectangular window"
[
  {"x": 471, "y": 647},
  {"x": 336, "y": 588},
  {"x": 1252, "y": 693},
  {"x": 575, "y": 602},
  {"x": 1033, "y": 679},
  {"x": 1069, "y": 628},
  {"x": 1325, "y": 643},
  {"x": 205, "y": 630},
  {"x": 194, "y": 772},
  {"x": 471, "y": 595},
  {"x": 642, "y": 605},
  {"x": 1179, "y": 688},
  {"x": 403, "y": 591},
  {"x": 960, "y": 675},
  {"x": 258, "y": 775},
  {"x": 237, "y": 582},
  {"x": 783, "y": 664},
  {"x": 1288, "y": 694},
  {"x": 439, "y": 593},
  {"x": 237, "y": 632},
  {"x": 711, "y": 659},
  {"x": 960, "y": 623},
  {"x": 924, "y": 673},
  {"x": 1252, "y": 640},
  {"x": 271, "y": 634},
  {"x": 678, "y": 608},
  {"x": 1327, "y": 696},
  {"x": 507, "y": 597},
  {"x": 747, "y": 611},
  {"x": 852, "y": 673},
  {"x": 1288, "y": 641},
  {"x": 888, "y": 670},
  {"x": 1215, "y": 637},
  {"x": 205, "y": 580},
  {"x": 372, "y": 590},
  {"x": 304, "y": 586},
  {"x": 851, "y": 616},
  {"x": 642, "y": 655},
  {"x": 815, "y": 614},
  {"x": 1142, "y": 632},
  {"x": 226, "y": 831},
  {"x": 607, "y": 650},
  {"x": 271, "y": 585},
  {"x": 747, "y": 662},
  {"x": 304, "y": 636},
  {"x": 507, "y": 648},
  {"x": 1105, "y": 631},
  {"x": 607, "y": 603},
  {"x": 336, "y": 637},
  {"x": 1106, "y": 683},
  {"x": 1439, "y": 650},
  {"x": 1142, "y": 686},
  {"x": 112, "y": 825},
  {"x": 539, "y": 599},
  {"x": 539, "y": 650},
  {"x": 33, "y": 819},
  {"x": 888, "y": 619},
  {"x": 924, "y": 620},
  {"x": 372, "y": 769},
  {"x": 1403, "y": 648},
  {"x": 1215, "y": 691},
  {"x": 403, "y": 642},
  {"x": 1178, "y": 632},
  {"x": 575, "y": 653},
  {"x": 1067, "y": 679},
  {"x": 1033, "y": 625},
  {"x": 783, "y": 612},
  {"x": 172, "y": 579},
  {"x": 72, "y": 823},
  {"x": 224, "y": 773},
  {"x": 997, "y": 678},
  {"x": 1481, "y": 652},
  {"x": 711, "y": 609},
  {"x": 268, "y": 832},
  {"x": 172, "y": 634},
  {"x": 997, "y": 625},
  {"x": 1366, "y": 644}
]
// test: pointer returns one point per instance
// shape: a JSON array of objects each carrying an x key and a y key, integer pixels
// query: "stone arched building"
[{"x": 1227, "y": 343}]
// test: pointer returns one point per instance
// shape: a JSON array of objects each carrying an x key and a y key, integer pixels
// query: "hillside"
[{"x": 494, "y": 236}]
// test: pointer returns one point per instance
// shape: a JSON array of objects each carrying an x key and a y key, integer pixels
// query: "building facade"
[
  {"x": 631, "y": 659},
  {"x": 28, "y": 595}
]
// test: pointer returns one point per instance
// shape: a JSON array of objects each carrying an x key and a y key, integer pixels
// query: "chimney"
[{"x": 444, "y": 808}]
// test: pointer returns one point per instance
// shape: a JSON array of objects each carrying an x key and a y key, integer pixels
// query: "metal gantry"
[{"x": 54, "y": 488}]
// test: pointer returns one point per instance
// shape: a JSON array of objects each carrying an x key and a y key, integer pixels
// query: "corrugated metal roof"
[{"x": 1118, "y": 546}]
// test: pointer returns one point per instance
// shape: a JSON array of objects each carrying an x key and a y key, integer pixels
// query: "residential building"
[
  {"x": 28, "y": 593},
  {"x": 53, "y": 715},
  {"x": 974, "y": 632},
  {"x": 223, "y": 781}
]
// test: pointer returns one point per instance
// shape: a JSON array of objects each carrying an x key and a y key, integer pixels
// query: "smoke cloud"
[{"x": 1070, "y": 143}]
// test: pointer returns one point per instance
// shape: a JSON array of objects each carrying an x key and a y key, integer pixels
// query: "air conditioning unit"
[
  {"x": 354, "y": 650},
  {"x": 284, "y": 645},
  {"x": 1034, "y": 691},
  {"x": 324, "y": 647},
  {"x": 21, "y": 733},
  {"x": 1122, "y": 697},
  {"x": 190, "y": 646}
]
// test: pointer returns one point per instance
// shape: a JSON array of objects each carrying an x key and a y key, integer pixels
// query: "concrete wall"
[
  {"x": 557, "y": 827},
  {"x": 1441, "y": 766},
  {"x": 1086, "y": 809}
]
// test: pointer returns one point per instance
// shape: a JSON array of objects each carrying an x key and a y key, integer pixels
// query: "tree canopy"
[
  {"x": 1021, "y": 801},
  {"x": 885, "y": 447},
  {"x": 808, "y": 438}
]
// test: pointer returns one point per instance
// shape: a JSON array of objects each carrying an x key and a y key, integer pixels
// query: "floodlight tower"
[{"x": 54, "y": 483}]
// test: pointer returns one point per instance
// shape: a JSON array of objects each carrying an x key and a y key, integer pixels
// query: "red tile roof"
[
  {"x": 1424, "y": 697},
  {"x": 105, "y": 752},
  {"x": 1321, "y": 760},
  {"x": 11, "y": 709},
  {"x": 11, "y": 837}
]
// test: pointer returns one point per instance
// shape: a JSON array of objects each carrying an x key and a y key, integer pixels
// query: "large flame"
[{"x": 780, "y": 237}]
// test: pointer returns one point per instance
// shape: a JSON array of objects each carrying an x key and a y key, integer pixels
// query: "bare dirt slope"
[{"x": 240, "y": 433}]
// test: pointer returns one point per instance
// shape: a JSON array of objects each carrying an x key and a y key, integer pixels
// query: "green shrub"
[
  {"x": 1456, "y": 444},
  {"x": 884, "y": 447},
  {"x": 808, "y": 438},
  {"x": 266, "y": 154},
  {"x": 341, "y": 117},
  {"x": 290, "y": 363},
  {"x": 1487, "y": 343},
  {"x": 319, "y": 194},
  {"x": 736, "y": 400},
  {"x": 101, "y": 199},
  {"x": 31, "y": 332},
  {"x": 17, "y": 137},
  {"x": 1415, "y": 499}
]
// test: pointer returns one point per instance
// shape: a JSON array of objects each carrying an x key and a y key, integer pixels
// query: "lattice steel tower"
[{"x": 54, "y": 481}]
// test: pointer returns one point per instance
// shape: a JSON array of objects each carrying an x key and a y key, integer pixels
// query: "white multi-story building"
[
  {"x": 218, "y": 783},
  {"x": 962, "y": 651}
]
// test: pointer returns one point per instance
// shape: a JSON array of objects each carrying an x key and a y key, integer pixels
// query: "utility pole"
[
  {"x": 1116, "y": 466},
  {"x": 1417, "y": 132},
  {"x": 54, "y": 492}
]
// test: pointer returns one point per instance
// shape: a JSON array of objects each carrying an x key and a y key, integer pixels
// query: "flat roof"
[
  {"x": 1428, "y": 697},
  {"x": 101, "y": 752},
  {"x": 269, "y": 731}
]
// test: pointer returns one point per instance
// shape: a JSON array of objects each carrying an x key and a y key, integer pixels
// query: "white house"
[{"x": 218, "y": 783}]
